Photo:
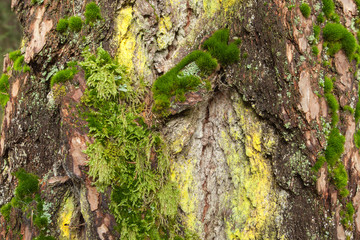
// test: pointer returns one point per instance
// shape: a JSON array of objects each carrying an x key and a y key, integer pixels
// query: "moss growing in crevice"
[
  {"x": 27, "y": 200},
  {"x": 63, "y": 76},
  {"x": 4, "y": 88},
  {"x": 305, "y": 10},
  {"x": 92, "y": 13}
]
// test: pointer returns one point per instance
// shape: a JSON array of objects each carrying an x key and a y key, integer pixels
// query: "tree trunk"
[{"x": 241, "y": 154}]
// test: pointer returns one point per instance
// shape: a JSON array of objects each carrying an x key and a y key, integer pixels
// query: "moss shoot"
[
  {"x": 63, "y": 76},
  {"x": 62, "y": 25},
  {"x": 337, "y": 33},
  {"x": 328, "y": 8},
  {"x": 4, "y": 88},
  {"x": 75, "y": 24},
  {"x": 305, "y": 10},
  {"x": 92, "y": 13}
]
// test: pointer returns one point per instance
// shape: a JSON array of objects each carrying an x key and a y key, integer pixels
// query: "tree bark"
[{"x": 240, "y": 154}]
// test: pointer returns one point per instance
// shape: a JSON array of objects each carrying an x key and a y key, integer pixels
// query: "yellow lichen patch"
[
  {"x": 178, "y": 144},
  {"x": 130, "y": 52},
  {"x": 212, "y": 6},
  {"x": 182, "y": 173},
  {"x": 64, "y": 220},
  {"x": 164, "y": 37},
  {"x": 253, "y": 201}
]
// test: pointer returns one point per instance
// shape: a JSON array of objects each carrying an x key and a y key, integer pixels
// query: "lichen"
[{"x": 65, "y": 215}]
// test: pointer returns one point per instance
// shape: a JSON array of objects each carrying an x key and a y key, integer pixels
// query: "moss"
[
  {"x": 218, "y": 47},
  {"x": 319, "y": 163},
  {"x": 328, "y": 85},
  {"x": 335, "y": 147},
  {"x": 62, "y": 25},
  {"x": 328, "y": 7},
  {"x": 334, "y": 32},
  {"x": 305, "y": 10},
  {"x": 5, "y": 211},
  {"x": 18, "y": 63},
  {"x": 349, "y": 109},
  {"x": 317, "y": 31},
  {"x": 14, "y": 55},
  {"x": 320, "y": 18},
  {"x": 315, "y": 50},
  {"x": 340, "y": 177},
  {"x": 334, "y": 107},
  {"x": 75, "y": 24},
  {"x": 63, "y": 76},
  {"x": 92, "y": 12},
  {"x": 357, "y": 139}
]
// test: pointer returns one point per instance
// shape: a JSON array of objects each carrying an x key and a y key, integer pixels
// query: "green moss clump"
[
  {"x": 63, "y": 76},
  {"x": 320, "y": 18},
  {"x": 14, "y": 55},
  {"x": 328, "y": 7},
  {"x": 92, "y": 12},
  {"x": 357, "y": 139},
  {"x": 328, "y": 85},
  {"x": 319, "y": 163},
  {"x": 218, "y": 47},
  {"x": 335, "y": 147},
  {"x": 4, "y": 88},
  {"x": 5, "y": 211},
  {"x": 75, "y": 24},
  {"x": 315, "y": 50},
  {"x": 317, "y": 31},
  {"x": 62, "y": 25},
  {"x": 18, "y": 63},
  {"x": 27, "y": 186},
  {"x": 349, "y": 109},
  {"x": 340, "y": 177},
  {"x": 305, "y": 10},
  {"x": 334, "y": 106},
  {"x": 335, "y": 32}
]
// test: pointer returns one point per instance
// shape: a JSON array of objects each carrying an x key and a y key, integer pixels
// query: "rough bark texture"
[{"x": 241, "y": 154}]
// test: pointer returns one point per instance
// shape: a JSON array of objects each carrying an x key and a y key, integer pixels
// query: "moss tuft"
[
  {"x": 14, "y": 55},
  {"x": 92, "y": 12},
  {"x": 328, "y": 7},
  {"x": 319, "y": 163},
  {"x": 4, "y": 88},
  {"x": 18, "y": 63},
  {"x": 328, "y": 85},
  {"x": 337, "y": 33},
  {"x": 305, "y": 10},
  {"x": 315, "y": 50},
  {"x": 320, "y": 18},
  {"x": 63, "y": 76},
  {"x": 340, "y": 177},
  {"x": 62, "y": 25},
  {"x": 218, "y": 47},
  {"x": 75, "y": 24},
  {"x": 335, "y": 147},
  {"x": 317, "y": 31}
]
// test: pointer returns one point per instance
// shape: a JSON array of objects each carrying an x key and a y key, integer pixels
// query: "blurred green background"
[{"x": 10, "y": 30}]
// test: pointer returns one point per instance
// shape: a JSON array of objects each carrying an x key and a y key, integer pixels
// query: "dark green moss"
[
  {"x": 357, "y": 139},
  {"x": 305, "y": 10},
  {"x": 92, "y": 12},
  {"x": 328, "y": 7},
  {"x": 75, "y": 24},
  {"x": 63, "y": 76},
  {"x": 5, "y": 211},
  {"x": 218, "y": 47},
  {"x": 62, "y": 25}
]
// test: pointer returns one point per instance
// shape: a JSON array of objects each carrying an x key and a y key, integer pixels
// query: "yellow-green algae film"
[
  {"x": 182, "y": 172},
  {"x": 65, "y": 215},
  {"x": 253, "y": 200}
]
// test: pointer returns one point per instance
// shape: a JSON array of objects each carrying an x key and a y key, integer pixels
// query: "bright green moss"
[
  {"x": 328, "y": 7},
  {"x": 315, "y": 50},
  {"x": 92, "y": 12},
  {"x": 317, "y": 31},
  {"x": 340, "y": 177},
  {"x": 319, "y": 163},
  {"x": 218, "y": 47},
  {"x": 75, "y": 24},
  {"x": 4, "y": 88},
  {"x": 335, "y": 147},
  {"x": 336, "y": 33},
  {"x": 63, "y": 76},
  {"x": 14, "y": 55},
  {"x": 334, "y": 106},
  {"x": 206, "y": 63},
  {"x": 357, "y": 139},
  {"x": 5, "y": 211},
  {"x": 27, "y": 186},
  {"x": 349, "y": 109},
  {"x": 18, "y": 63},
  {"x": 305, "y": 10},
  {"x": 62, "y": 25},
  {"x": 328, "y": 85},
  {"x": 320, "y": 18}
]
